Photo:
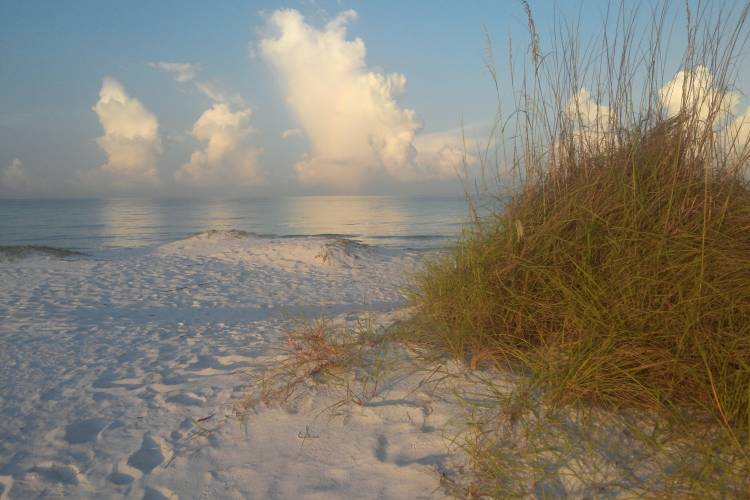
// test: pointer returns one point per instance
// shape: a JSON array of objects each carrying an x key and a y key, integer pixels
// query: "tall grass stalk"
[{"x": 616, "y": 271}]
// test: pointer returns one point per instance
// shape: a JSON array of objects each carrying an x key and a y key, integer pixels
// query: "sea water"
[{"x": 97, "y": 225}]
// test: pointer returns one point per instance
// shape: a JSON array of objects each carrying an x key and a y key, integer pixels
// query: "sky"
[{"x": 253, "y": 98}]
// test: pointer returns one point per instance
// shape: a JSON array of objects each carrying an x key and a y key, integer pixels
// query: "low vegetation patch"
[
  {"x": 621, "y": 279},
  {"x": 351, "y": 358},
  {"x": 615, "y": 276}
]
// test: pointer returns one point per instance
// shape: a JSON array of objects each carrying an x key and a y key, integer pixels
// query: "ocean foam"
[{"x": 16, "y": 252}]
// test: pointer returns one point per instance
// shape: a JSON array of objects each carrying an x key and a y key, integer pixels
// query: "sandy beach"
[
  {"x": 378, "y": 250},
  {"x": 110, "y": 366}
]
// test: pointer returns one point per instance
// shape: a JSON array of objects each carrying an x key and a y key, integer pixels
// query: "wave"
[
  {"x": 355, "y": 238},
  {"x": 292, "y": 253},
  {"x": 343, "y": 251},
  {"x": 412, "y": 237},
  {"x": 223, "y": 233},
  {"x": 17, "y": 252},
  {"x": 332, "y": 246},
  {"x": 239, "y": 234}
]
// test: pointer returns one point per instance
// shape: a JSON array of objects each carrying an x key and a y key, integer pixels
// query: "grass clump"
[
  {"x": 616, "y": 273},
  {"x": 625, "y": 282}
]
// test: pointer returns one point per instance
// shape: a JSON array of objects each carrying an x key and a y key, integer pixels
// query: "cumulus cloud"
[
  {"x": 228, "y": 158},
  {"x": 696, "y": 90},
  {"x": 291, "y": 132},
  {"x": 739, "y": 131},
  {"x": 131, "y": 138},
  {"x": 15, "y": 180},
  {"x": 348, "y": 111},
  {"x": 688, "y": 90},
  {"x": 592, "y": 121},
  {"x": 14, "y": 176},
  {"x": 446, "y": 154},
  {"x": 693, "y": 91},
  {"x": 182, "y": 72},
  {"x": 587, "y": 112}
]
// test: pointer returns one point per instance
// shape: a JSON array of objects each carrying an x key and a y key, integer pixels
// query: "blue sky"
[{"x": 60, "y": 60}]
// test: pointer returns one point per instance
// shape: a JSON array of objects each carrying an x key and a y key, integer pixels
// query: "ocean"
[{"x": 97, "y": 225}]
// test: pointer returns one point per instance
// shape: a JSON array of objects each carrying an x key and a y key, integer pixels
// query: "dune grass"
[
  {"x": 628, "y": 285},
  {"x": 615, "y": 274}
]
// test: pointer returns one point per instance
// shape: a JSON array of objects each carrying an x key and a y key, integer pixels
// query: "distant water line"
[{"x": 89, "y": 225}]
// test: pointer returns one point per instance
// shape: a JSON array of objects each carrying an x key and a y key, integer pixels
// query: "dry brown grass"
[
  {"x": 324, "y": 354},
  {"x": 615, "y": 274}
]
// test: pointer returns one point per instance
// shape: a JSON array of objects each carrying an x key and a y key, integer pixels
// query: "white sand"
[{"x": 105, "y": 363}]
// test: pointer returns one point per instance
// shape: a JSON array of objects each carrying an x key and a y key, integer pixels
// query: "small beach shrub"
[{"x": 324, "y": 353}]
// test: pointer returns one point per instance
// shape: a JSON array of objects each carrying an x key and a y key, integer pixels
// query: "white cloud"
[
  {"x": 587, "y": 113},
  {"x": 131, "y": 138},
  {"x": 348, "y": 111},
  {"x": 445, "y": 154},
  {"x": 739, "y": 131},
  {"x": 291, "y": 132},
  {"x": 217, "y": 94},
  {"x": 692, "y": 91},
  {"x": 696, "y": 90},
  {"x": 186, "y": 72},
  {"x": 182, "y": 72},
  {"x": 689, "y": 90},
  {"x": 592, "y": 121},
  {"x": 15, "y": 180},
  {"x": 14, "y": 176},
  {"x": 228, "y": 158}
]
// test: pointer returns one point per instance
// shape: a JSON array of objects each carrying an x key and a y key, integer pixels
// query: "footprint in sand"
[
  {"x": 104, "y": 381},
  {"x": 187, "y": 399},
  {"x": 159, "y": 493},
  {"x": 6, "y": 483},
  {"x": 123, "y": 474},
  {"x": 381, "y": 451},
  {"x": 57, "y": 473},
  {"x": 148, "y": 456},
  {"x": 84, "y": 431},
  {"x": 120, "y": 478},
  {"x": 203, "y": 362}
]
